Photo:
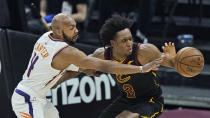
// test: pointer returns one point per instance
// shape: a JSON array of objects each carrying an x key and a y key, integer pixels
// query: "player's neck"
[
  {"x": 56, "y": 36},
  {"x": 117, "y": 56}
]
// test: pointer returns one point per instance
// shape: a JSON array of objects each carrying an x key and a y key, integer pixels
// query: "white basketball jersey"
[{"x": 40, "y": 76}]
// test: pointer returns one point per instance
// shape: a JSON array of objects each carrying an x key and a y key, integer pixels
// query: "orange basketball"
[{"x": 189, "y": 62}]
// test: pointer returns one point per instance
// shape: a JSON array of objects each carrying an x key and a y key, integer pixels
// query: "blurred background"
[{"x": 185, "y": 22}]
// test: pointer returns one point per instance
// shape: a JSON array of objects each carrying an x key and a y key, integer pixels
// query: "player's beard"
[{"x": 67, "y": 39}]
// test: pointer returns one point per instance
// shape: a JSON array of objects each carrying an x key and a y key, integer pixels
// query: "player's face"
[
  {"x": 70, "y": 32},
  {"x": 123, "y": 42}
]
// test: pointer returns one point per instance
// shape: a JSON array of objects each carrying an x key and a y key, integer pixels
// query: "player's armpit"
[{"x": 68, "y": 75}]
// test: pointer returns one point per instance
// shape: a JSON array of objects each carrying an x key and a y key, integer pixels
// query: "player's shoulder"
[
  {"x": 70, "y": 50},
  {"x": 148, "y": 48},
  {"x": 99, "y": 53}
]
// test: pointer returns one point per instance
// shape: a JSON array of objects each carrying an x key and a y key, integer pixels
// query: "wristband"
[{"x": 141, "y": 69}]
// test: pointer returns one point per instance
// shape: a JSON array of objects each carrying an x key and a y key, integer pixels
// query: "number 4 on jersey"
[{"x": 33, "y": 61}]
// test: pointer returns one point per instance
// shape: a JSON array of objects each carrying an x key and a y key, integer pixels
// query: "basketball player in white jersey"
[{"x": 54, "y": 57}]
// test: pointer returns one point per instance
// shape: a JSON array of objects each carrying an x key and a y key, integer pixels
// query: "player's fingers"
[
  {"x": 172, "y": 44},
  {"x": 55, "y": 86},
  {"x": 159, "y": 59},
  {"x": 164, "y": 49},
  {"x": 155, "y": 64},
  {"x": 169, "y": 44}
]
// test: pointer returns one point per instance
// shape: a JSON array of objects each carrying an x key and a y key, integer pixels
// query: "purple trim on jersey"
[
  {"x": 27, "y": 100},
  {"x": 60, "y": 51}
]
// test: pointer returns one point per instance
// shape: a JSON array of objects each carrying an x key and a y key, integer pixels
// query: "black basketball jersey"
[{"x": 138, "y": 86}]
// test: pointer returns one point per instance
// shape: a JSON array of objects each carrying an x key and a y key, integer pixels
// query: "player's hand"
[
  {"x": 169, "y": 51},
  {"x": 127, "y": 114},
  {"x": 54, "y": 86},
  {"x": 153, "y": 65}
]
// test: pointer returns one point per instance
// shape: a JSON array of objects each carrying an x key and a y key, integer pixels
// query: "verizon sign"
[{"x": 79, "y": 86}]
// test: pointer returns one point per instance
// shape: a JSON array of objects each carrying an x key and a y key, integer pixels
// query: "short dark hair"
[{"x": 113, "y": 25}]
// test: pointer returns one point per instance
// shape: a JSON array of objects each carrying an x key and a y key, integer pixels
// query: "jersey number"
[
  {"x": 129, "y": 91},
  {"x": 33, "y": 61}
]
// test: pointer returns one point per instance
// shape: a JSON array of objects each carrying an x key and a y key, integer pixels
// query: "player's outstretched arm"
[
  {"x": 99, "y": 53},
  {"x": 74, "y": 56}
]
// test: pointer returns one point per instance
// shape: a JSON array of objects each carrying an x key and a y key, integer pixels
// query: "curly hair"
[{"x": 113, "y": 25}]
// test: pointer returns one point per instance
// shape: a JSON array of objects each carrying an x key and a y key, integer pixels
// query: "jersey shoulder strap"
[{"x": 108, "y": 53}]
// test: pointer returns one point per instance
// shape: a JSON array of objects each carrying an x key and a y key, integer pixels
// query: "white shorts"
[{"x": 27, "y": 105}]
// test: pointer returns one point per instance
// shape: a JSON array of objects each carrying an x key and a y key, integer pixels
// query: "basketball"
[{"x": 189, "y": 62}]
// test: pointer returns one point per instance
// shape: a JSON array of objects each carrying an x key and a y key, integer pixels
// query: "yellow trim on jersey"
[
  {"x": 156, "y": 83},
  {"x": 119, "y": 61},
  {"x": 151, "y": 116},
  {"x": 122, "y": 80},
  {"x": 154, "y": 74},
  {"x": 130, "y": 62},
  {"x": 161, "y": 108},
  {"x": 129, "y": 91},
  {"x": 156, "y": 113},
  {"x": 151, "y": 100}
]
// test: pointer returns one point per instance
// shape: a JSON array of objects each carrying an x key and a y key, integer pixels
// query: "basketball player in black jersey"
[{"x": 140, "y": 93}]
